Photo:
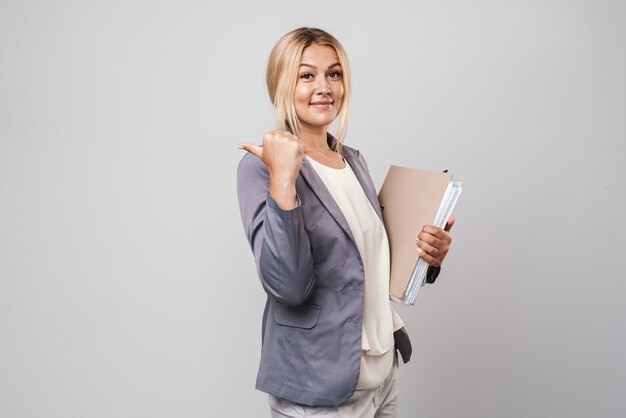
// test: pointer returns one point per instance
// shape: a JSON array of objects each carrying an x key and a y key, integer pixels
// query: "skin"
[{"x": 318, "y": 96}]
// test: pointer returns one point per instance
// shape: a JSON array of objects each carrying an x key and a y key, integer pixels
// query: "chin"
[{"x": 320, "y": 122}]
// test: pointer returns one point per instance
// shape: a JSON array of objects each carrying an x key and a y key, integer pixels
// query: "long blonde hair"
[{"x": 282, "y": 75}]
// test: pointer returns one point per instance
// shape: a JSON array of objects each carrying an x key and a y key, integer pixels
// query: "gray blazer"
[{"x": 311, "y": 270}]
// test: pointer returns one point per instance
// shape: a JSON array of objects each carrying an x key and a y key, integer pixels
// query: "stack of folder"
[{"x": 410, "y": 199}]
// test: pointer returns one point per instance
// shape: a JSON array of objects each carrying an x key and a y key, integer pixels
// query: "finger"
[
  {"x": 433, "y": 256},
  {"x": 438, "y": 252},
  {"x": 251, "y": 148},
  {"x": 432, "y": 234},
  {"x": 432, "y": 261},
  {"x": 439, "y": 232},
  {"x": 430, "y": 238},
  {"x": 427, "y": 248},
  {"x": 450, "y": 222},
  {"x": 283, "y": 133}
]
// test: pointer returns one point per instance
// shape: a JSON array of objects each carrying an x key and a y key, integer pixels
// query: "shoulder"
[
  {"x": 352, "y": 152},
  {"x": 250, "y": 164},
  {"x": 252, "y": 180},
  {"x": 355, "y": 156}
]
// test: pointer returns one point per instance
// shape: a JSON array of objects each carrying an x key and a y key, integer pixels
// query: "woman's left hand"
[{"x": 433, "y": 243}]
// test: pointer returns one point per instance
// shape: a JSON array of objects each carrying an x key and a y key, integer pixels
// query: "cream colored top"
[{"x": 379, "y": 319}]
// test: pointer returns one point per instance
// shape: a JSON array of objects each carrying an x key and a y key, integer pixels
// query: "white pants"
[{"x": 380, "y": 402}]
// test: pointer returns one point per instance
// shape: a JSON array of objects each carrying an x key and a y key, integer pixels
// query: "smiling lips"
[{"x": 322, "y": 104}]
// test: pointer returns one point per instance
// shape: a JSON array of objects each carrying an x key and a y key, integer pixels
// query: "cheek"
[
  {"x": 301, "y": 94},
  {"x": 337, "y": 90},
  {"x": 338, "y": 96},
  {"x": 340, "y": 91}
]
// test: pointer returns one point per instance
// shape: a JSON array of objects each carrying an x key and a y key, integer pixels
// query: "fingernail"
[
  {"x": 419, "y": 250},
  {"x": 240, "y": 146}
]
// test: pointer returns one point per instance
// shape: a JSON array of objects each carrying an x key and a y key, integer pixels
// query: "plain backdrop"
[{"x": 127, "y": 288}]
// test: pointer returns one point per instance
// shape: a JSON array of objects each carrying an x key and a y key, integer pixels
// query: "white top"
[{"x": 379, "y": 319}]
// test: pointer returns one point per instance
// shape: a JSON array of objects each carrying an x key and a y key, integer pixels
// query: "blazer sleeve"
[
  {"x": 431, "y": 274},
  {"x": 277, "y": 237}
]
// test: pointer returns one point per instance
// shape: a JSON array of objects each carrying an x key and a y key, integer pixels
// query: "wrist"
[{"x": 283, "y": 193}]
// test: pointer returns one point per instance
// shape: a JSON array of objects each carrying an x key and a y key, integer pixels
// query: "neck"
[{"x": 314, "y": 138}]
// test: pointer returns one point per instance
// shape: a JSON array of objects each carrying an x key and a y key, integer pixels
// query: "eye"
[
  {"x": 306, "y": 76},
  {"x": 335, "y": 75}
]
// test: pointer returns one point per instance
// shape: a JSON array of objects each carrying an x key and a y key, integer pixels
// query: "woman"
[{"x": 313, "y": 220}]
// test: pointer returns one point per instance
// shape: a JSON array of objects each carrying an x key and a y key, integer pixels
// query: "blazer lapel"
[{"x": 319, "y": 188}]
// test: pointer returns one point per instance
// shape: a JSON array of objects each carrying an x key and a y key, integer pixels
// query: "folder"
[{"x": 410, "y": 199}]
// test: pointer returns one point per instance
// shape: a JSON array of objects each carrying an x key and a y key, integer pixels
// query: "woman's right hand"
[{"x": 282, "y": 154}]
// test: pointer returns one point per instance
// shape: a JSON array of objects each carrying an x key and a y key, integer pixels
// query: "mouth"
[{"x": 325, "y": 104}]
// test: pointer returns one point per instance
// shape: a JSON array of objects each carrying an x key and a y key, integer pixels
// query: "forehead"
[{"x": 320, "y": 55}]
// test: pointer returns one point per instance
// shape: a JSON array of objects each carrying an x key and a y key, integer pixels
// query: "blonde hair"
[{"x": 282, "y": 75}]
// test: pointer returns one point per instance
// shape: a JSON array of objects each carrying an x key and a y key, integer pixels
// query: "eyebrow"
[{"x": 314, "y": 67}]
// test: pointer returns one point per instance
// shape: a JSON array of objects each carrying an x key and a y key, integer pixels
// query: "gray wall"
[{"x": 127, "y": 288}]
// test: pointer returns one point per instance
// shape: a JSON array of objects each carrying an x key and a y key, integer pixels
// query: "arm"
[{"x": 277, "y": 237}]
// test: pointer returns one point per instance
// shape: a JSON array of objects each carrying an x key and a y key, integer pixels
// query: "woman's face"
[{"x": 319, "y": 89}]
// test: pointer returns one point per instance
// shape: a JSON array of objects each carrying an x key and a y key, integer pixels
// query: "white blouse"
[{"x": 379, "y": 319}]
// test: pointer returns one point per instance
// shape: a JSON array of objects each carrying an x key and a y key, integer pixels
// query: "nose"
[{"x": 324, "y": 87}]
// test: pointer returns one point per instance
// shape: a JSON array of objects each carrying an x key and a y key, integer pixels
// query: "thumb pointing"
[{"x": 251, "y": 148}]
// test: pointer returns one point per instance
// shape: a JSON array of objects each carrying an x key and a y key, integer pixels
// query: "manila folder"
[{"x": 409, "y": 199}]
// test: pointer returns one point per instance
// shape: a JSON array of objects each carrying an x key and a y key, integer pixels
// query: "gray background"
[{"x": 127, "y": 287}]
